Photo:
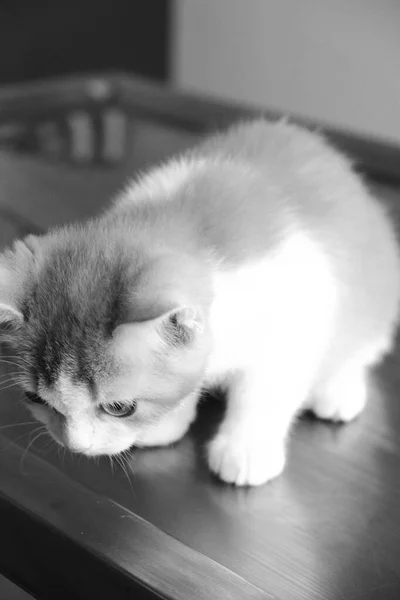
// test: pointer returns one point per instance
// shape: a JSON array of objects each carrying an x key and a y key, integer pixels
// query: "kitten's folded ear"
[
  {"x": 178, "y": 325},
  {"x": 181, "y": 325},
  {"x": 15, "y": 262},
  {"x": 173, "y": 292},
  {"x": 11, "y": 319}
]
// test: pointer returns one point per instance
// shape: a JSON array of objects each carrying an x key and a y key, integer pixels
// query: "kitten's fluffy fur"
[{"x": 257, "y": 261}]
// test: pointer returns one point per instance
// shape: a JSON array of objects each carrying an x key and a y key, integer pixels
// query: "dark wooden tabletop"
[{"x": 328, "y": 529}]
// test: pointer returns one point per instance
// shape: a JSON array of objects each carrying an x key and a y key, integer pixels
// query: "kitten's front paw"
[{"x": 244, "y": 461}]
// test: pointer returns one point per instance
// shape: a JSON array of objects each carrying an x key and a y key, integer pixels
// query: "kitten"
[{"x": 257, "y": 261}]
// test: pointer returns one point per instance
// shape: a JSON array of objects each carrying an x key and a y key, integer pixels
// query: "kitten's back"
[
  {"x": 311, "y": 188},
  {"x": 241, "y": 193},
  {"x": 249, "y": 189}
]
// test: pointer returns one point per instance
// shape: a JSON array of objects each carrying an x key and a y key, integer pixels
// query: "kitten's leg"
[
  {"x": 173, "y": 425},
  {"x": 249, "y": 448},
  {"x": 343, "y": 397},
  {"x": 284, "y": 325}
]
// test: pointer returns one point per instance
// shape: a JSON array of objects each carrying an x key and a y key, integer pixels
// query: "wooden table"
[{"x": 329, "y": 528}]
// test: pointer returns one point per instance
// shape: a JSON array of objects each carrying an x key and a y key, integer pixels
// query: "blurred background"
[{"x": 336, "y": 61}]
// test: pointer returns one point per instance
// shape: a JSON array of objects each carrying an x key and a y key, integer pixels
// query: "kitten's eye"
[
  {"x": 34, "y": 398},
  {"x": 118, "y": 409}
]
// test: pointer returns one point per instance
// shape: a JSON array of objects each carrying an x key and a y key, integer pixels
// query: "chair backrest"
[{"x": 73, "y": 120}]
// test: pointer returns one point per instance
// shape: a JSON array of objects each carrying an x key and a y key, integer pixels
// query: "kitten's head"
[{"x": 109, "y": 341}]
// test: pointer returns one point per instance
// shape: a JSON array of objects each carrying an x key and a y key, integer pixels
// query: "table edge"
[{"x": 42, "y": 498}]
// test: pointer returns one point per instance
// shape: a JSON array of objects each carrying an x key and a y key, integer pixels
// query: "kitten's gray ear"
[
  {"x": 13, "y": 264},
  {"x": 177, "y": 325},
  {"x": 169, "y": 292},
  {"x": 181, "y": 325},
  {"x": 11, "y": 319}
]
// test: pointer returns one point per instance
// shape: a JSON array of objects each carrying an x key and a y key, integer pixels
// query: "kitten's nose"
[{"x": 79, "y": 439}]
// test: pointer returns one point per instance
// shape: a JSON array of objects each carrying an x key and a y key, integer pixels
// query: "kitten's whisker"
[
  {"x": 39, "y": 435},
  {"x": 127, "y": 457},
  {"x": 20, "y": 437},
  {"x": 117, "y": 459},
  {"x": 17, "y": 425},
  {"x": 9, "y": 381},
  {"x": 7, "y": 387},
  {"x": 15, "y": 357},
  {"x": 22, "y": 398},
  {"x": 9, "y": 360},
  {"x": 121, "y": 464},
  {"x": 112, "y": 464},
  {"x": 15, "y": 373},
  {"x": 124, "y": 465},
  {"x": 10, "y": 378},
  {"x": 50, "y": 441},
  {"x": 12, "y": 374},
  {"x": 40, "y": 427},
  {"x": 61, "y": 451},
  {"x": 50, "y": 444},
  {"x": 14, "y": 363}
]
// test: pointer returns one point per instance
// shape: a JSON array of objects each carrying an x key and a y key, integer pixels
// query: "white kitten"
[{"x": 257, "y": 260}]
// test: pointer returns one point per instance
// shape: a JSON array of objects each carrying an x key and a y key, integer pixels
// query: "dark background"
[{"x": 40, "y": 39}]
